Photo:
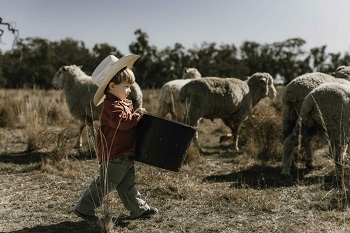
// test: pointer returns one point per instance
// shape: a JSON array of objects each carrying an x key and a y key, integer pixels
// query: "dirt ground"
[{"x": 220, "y": 192}]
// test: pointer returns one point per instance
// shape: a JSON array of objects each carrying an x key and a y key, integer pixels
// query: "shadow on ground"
[
  {"x": 71, "y": 227},
  {"x": 221, "y": 149},
  {"x": 30, "y": 157},
  {"x": 263, "y": 177}
]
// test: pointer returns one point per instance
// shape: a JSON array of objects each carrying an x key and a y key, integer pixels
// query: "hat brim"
[{"x": 126, "y": 61}]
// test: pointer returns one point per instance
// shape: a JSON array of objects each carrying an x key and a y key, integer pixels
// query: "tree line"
[{"x": 34, "y": 61}]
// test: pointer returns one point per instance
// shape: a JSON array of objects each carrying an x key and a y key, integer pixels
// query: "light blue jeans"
[{"x": 117, "y": 174}]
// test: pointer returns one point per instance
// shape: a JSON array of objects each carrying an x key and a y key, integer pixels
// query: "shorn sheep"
[
  {"x": 79, "y": 91},
  {"x": 294, "y": 95},
  {"x": 230, "y": 99},
  {"x": 168, "y": 102},
  {"x": 325, "y": 110}
]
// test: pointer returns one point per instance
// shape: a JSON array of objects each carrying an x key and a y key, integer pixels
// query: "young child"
[{"x": 116, "y": 141}]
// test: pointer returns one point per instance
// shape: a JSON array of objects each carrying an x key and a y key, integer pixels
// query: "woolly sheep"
[
  {"x": 230, "y": 99},
  {"x": 327, "y": 110},
  {"x": 294, "y": 95},
  {"x": 79, "y": 91},
  {"x": 343, "y": 72},
  {"x": 296, "y": 91},
  {"x": 168, "y": 102}
]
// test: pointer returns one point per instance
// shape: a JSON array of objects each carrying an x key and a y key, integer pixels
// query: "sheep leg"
[
  {"x": 341, "y": 182},
  {"x": 287, "y": 159},
  {"x": 163, "y": 109},
  {"x": 339, "y": 156},
  {"x": 195, "y": 139},
  {"x": 235, "y": 127},
  {"x": 289, "y": 118},
  {"x": 225, "y": 137},
  {"x": 79, "y": 141},
  {"x": 178, "y": 112},
  {"x": 235, "y": 131},
  {"x": 309, "y": 157}
]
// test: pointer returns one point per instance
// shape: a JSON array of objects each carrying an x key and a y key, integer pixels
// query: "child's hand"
[{"x": 140, "y": 111}]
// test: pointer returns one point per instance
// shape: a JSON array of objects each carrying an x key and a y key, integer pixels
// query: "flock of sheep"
[{"x": 311, "y": 103}]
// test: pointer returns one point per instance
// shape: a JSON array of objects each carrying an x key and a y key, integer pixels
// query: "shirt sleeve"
[{"x": 122, "y": 117}]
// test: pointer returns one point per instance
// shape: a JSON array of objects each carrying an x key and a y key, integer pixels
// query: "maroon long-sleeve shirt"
[{"x": 117, "y": 136}]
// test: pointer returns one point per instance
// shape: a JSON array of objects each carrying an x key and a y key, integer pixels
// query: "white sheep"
[
  {"x": 230, "y": 99},
  {"x": 296, "y": 91},
  {"x": 294, "y": 94},
  {"x": 79, "y": 91},
  {"x": 325, "y": 110},
  {"x": 342, "y": 72},
  {"x": 168, "y": 102}
]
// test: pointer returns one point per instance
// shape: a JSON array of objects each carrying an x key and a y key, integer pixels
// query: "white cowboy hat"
[{"x": 106, "y": 70}]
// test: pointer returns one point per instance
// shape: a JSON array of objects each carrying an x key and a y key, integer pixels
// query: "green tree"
[
  {"x": 145, "y": 69},
  {"x": 70, "y": 52},
  {"x": 318, "y": 58},
  {"x": 335, "y": 61},
  {"x": 34, "y": 61},
  {"x": 250, "y": 56},
  {"x": 170, "y": 64},
  {"x": 291, "y": 59},
  {"x": 100, "y": 51},
  {"x": 226, "y": 63}
]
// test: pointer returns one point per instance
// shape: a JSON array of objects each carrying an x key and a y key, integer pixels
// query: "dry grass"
[{"x": 218, "y": 192}]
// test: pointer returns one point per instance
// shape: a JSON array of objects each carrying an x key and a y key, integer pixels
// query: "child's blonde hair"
[{"x": 124, "y": 75}]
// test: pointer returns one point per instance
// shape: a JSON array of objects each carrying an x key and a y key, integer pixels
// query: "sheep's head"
[
  {"x": 65, "y": 76},
  {"x": 343, "y": 72},
  {"x": 58, "y": 79},
  {"x": 266, "y": 82},
  {"x": 191, "y": 73}
]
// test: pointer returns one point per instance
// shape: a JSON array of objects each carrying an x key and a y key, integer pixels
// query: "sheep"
[
  {"x": 325, "y": 110},
  {"x": 79, "y": 91},
  {"x": 342, "y": 72},
  {"x": 294, "y": 95},
  {"x": 230, "y": 99},
  {"x": 296, "y": 91},
  {"x": 168, "y": 98}
]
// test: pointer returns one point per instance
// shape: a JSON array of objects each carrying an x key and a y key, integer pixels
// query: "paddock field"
[{"x": 42, "y": 177}]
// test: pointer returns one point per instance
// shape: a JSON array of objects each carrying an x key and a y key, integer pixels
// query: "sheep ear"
[
  {"x": 263, "y": 79},
  {"x": 340, "y": 68},
  {"x": 185, "y": 70},
  {"x": 64, "y": 68}
]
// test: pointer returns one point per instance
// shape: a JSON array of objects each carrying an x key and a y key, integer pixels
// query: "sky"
[{"x": 188, "y": 22}]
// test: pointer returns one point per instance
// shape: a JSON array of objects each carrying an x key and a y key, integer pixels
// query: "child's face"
[{"x": 120, "y": 90}]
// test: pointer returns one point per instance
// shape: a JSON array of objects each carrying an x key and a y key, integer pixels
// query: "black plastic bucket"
[{"x": 162, "y": 143}]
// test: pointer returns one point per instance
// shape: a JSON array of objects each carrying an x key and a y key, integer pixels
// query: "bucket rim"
[{"x": 173, "y": 121}]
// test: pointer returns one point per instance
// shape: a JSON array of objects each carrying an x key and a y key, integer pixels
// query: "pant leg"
[
  {"x": 118, "y": 174},
  {"x": 92, "y": 197},
  {"x": 128, "y": 192}
]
